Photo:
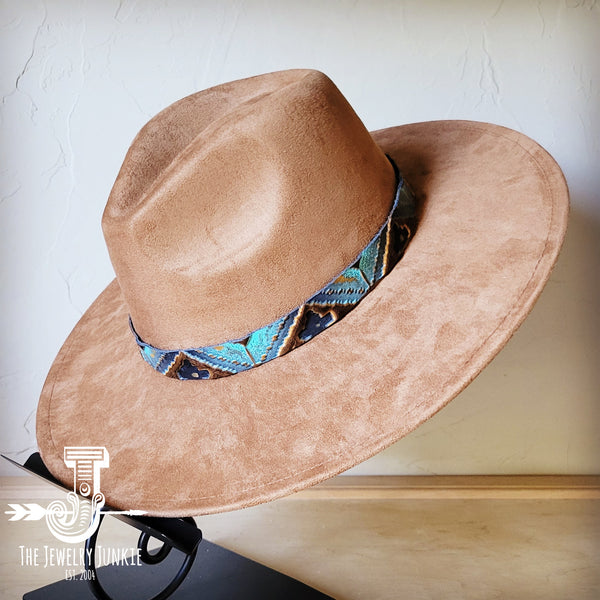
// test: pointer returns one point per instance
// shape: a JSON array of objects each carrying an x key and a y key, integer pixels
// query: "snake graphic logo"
[{"x": 79, "y": 519}]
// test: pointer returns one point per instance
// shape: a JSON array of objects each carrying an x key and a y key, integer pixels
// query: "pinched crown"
[{"x": 236, "y": 204}]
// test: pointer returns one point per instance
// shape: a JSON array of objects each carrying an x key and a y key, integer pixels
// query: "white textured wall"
[{"x": 78, "y": 79}]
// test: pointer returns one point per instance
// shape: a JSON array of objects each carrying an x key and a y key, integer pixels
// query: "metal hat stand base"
[{"x": 185, "y": 567}]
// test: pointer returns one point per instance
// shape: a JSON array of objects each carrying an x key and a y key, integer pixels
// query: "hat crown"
[{"x": 236, "y": 204}]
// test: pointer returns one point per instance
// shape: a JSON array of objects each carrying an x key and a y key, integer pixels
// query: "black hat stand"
[{"x": 202, "y": 569}]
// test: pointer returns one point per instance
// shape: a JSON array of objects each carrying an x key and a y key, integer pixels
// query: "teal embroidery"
[{"x": 319, "y": 312}]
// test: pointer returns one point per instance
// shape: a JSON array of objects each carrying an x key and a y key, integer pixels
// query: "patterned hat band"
[{"x": 322, "y": 310}]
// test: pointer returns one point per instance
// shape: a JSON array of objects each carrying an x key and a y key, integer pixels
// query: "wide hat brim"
[{"x": 493, "y": 209}]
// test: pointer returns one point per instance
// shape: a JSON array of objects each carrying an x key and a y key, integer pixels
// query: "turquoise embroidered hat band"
[{"x": 319, "y": 312}]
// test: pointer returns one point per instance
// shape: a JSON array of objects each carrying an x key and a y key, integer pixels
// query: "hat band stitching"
[{"x": 319, "y": 312}]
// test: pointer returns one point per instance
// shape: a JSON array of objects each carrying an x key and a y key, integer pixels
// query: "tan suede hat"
[{"x": 237, "y": 213}]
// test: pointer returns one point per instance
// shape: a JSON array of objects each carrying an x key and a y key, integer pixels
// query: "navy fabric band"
[{"x": 318, "y": 313}]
